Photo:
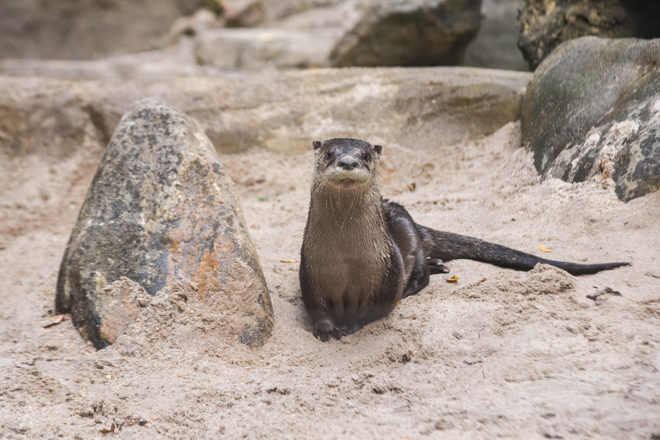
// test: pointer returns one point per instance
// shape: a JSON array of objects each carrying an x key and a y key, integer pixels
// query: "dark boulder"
[
  {"x": 409, "y": 33},
  {"x": 162, "y": 210},
  {"x": 545, "y": 24},
  {"x": 593, "y": 108}
]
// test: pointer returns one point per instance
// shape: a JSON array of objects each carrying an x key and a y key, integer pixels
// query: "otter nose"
[{"x": 347, "y": 163}]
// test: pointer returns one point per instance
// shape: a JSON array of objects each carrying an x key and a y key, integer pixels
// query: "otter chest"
[{"x": 348, "y": 268}]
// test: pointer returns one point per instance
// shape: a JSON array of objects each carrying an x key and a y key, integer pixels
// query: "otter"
[{"x": 362, "y": 253}]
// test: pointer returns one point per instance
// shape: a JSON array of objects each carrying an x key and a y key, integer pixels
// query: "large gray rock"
[
  {"x": 593, "y": 108},
  {"x": 545, "y": 24},
  {"x": 161, "y": 210},
  {"x": 75, "y": 29},
  {"x": 409, "y": 33},
  {"x": 284, "y": 112}
]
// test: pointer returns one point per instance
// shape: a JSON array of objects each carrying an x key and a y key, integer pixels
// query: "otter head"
[{"x": 346, "y": 163}]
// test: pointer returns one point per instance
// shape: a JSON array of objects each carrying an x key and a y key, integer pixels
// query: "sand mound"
[{"x": 508, "y": 286}]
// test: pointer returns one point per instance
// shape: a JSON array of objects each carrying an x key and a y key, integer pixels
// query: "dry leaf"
[
  {"x": 453, "y": 279},
  {"x": 52, "y": 320},
  {"x": 545, "y": 249},
  {"x": 289, "y": 261}
]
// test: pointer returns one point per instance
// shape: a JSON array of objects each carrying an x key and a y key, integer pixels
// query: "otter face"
[{"x": 346, "y": 163}]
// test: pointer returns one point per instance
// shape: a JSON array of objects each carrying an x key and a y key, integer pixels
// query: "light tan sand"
[{"x": 499, "y": 354}]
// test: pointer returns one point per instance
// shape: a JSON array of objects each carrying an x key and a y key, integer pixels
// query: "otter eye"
[
  {"x": 365, "y": 155},
  {"x": 328, "y": 155}
]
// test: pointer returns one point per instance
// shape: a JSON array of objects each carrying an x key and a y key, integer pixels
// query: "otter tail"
[{"x": 448, "y": 246}]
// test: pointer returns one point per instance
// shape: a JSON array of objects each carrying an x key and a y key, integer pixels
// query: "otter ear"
[
  {"x": 316, "y": 144},
  {"x": 378, "y": 149}
]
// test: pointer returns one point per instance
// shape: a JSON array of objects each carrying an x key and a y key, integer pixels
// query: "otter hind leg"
[
  {"x": 435, "y": 266},
  {"x": 419, "y": 276}
]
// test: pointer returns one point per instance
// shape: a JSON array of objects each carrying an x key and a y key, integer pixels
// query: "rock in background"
[
  {"x": 346, "y": 33},
  {"x": 278, "y": 111},
  {"x": 496, "y": 44},
  {"x": 161, "y": 210},
  {"x": 86, "y": 29},
  {"x": 185, "y": 36},
  {"x": 545, "y": 24},
  {"x": 593, "y": 108},
  {"x": 259, "y": 48},
  {"x": 409, "y": 33},
  {"x": 287, "y": 37},
  {"x": 247, "y": 13}
]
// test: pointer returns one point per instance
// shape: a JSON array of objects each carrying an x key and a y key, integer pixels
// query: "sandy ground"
[{"x": 499, "y": 354}]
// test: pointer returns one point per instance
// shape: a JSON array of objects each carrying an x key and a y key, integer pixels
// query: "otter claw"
[
  {"x": 325, "y": 329},
  {"x": 435, "y": 266}
]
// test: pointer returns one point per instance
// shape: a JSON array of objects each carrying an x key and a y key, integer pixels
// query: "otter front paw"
[{"x": 325, "y": 328}]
